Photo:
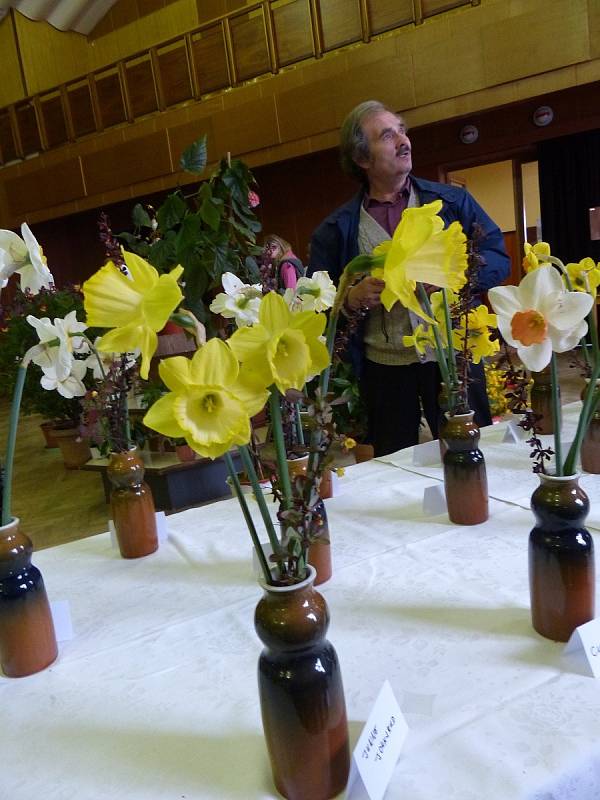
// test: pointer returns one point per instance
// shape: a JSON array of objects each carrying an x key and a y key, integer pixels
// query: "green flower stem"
[
  {"x": 556, "y": 414},
  {"x": 11, "y": 442},
  {"x": 260, "y": 498},
  {"x": 284, "y": 475},
  {"x": 441, "y": 352},
  {"x": 249, "y": 521},
  {"x": 315, "y": 437},
  {"x": 589, "y": 404},
  {"x": 593, "y": 329},
  {"x": 298, "y": 420},
  {"x": 451, "y": 354}
]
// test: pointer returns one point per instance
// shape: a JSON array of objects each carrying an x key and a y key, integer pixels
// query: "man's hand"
[{"x": 366, "y": 294}]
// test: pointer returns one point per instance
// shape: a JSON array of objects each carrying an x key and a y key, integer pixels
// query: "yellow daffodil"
[
  {"x": 283, "y": 348},
  {"x": 210, "y": 402},
  {"x": 534, "y": 256},
  {"x": 421, "y": 250},
  {"x": 585, "y": 276},
  {"x": 349, "y": 443},
  {"x": 481, "y": 323},
  {"x": 421, "y": 339},
  {"x": 136, "y": 307}
]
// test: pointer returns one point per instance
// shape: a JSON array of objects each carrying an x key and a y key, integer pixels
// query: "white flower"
[
  {"x": 539, "y": 316},
  {"x": 58, "y": 342},
  {"x": 316, "y": 293},
  {"x": 70, "y": 385},
  {"x": 240, "y": 301},
  {"x": 24, "y": 256}
]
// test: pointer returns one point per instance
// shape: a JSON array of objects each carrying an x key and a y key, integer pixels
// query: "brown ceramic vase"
[
  {"x": 465, "y": 478},
  {"x": 132, "y": 506},
  {"x": 27, "y": 638},
  {"x": 541, "y": 400},
  {"x": 561, "y": 558},
  {"x": 301, "y": 693},
  {"x": 590, "y": 446}
]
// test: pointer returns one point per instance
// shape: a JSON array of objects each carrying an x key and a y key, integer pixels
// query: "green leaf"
[
  {"x": 210, "y": 207},
  {"x": 162, "y": 254},
  {"x": 172, "y": 212},
  {"x": 140, "y": 217},
  {"x": 194, "y": 157}
]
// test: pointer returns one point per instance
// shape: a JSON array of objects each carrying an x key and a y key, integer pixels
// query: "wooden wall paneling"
[
  {"x": 139, "y": 79},
  {"x": 54, "y": 119},
  {"x": 340, "y": 23},
  {"x": 387, "y": 14},
  {"x": 270, "y": 35},
  {"x": 110, "y": 98},
  {"x": 28, "y": 128},
  {"x": 174, "y": 73},
  {"x": 209, "y": 57},
  {"x": 80, "y": 106},
  {"x": 249, "y": 41},
  {"x": 8, "y": 148},
  {"x": 132, "y": 162},
  {"x": 227, "y": 37},
  {"x": 59, "y": 184},
  {"x": 292, "y": 29},
  {"x": 182, "y": 136},
  {"x": 432, "y": 7}
]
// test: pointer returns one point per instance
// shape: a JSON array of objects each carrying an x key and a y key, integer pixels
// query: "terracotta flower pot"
[
  {"x": 303, "y": 708},
  {"x": 47, "y": 429},
  {"x": 27, "y": 638},
  {"x": 185, "y": 452},
  {"x": 74, "y": 448}
]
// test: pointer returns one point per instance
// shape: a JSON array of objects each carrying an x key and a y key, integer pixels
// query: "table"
[
  {"x": 156, "y": 695},
  {"x": 175, "y": 484}
]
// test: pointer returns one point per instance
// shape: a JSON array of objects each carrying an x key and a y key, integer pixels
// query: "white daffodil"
[
  {"x": 58, "y": 342},
  {"x": 26, "y": 257},
  {"x": 99, "y": 361},
  {"x": 316, "y": 293},
  {"x": 240, "y": 301},
  {"x": 68, "y": 386},
  {"x": 540, "y": 316}
]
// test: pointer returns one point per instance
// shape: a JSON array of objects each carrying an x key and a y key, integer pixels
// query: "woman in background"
[{"x": 281, "y": 268}]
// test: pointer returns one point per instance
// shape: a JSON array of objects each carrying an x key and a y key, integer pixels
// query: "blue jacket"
[{"x": 335, "y": 241}]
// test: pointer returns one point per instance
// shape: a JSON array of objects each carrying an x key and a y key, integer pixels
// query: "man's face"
[{"x": 390, "y": 150}]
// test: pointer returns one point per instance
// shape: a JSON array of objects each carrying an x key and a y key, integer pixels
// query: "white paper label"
[
  {"x": 587, "y": 638},
  {"x": 513, "y": 433},
  {"x": 434, "y": 499},
  {"x": 161, "y": 530},
  {"x": 61, "y": 617},
  {"x": 378, "y": 748},
  {"x": 427, "y": 454}
]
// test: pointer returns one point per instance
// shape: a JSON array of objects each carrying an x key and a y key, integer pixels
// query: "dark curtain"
[{"x": 569, "y": 170}]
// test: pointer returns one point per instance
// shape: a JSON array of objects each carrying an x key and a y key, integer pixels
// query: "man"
[{"x": 395, "y": 381}]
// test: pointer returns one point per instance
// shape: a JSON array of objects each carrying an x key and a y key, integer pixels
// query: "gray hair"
[{"x": 354, "y": 145}]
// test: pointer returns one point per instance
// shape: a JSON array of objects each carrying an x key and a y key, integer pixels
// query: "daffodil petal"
[
  {"x": 110, "y": 299},
  {"x": 175, "y": 372},
  {"x": 160, "y": 417},
  {"x": 274, "y": 313},
  {"x": 535, "y": 356},
  {"x": 160, "y": 301},
  {"x": 246, "y": 341},
  {"x": 144, "y": 275},
  {"x": 214, "y": 364}
]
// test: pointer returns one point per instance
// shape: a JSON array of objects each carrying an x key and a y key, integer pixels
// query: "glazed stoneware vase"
[
  {"x": 132, "y": 505},
  {"x": 27, "y": 638},
  {"x": 590, "y": 446},
  {"x": 465, "y": 478},
  {"x": 540, "y": 400},
  {"x": 561, "y": 558},
  {"x": 301, "y": 693}
]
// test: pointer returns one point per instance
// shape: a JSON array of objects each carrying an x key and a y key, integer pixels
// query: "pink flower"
[{"x": 253, "y": 199}]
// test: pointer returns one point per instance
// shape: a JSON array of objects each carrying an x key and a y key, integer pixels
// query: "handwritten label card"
[
  {"x": 587, "y": 638},
  {"x": 378, "y": 748},
  {"x": 434, "y": 499},
  {"x": 161, "y": 530},
  {"x": 513, "y": 433},
  {"x": 426, "y": 454}
]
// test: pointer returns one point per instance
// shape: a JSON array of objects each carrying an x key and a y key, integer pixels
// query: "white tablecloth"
[{"x": 155, "y": 696}]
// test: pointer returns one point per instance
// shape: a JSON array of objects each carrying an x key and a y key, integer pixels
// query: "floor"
[{"x": 57, "y": 505}]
